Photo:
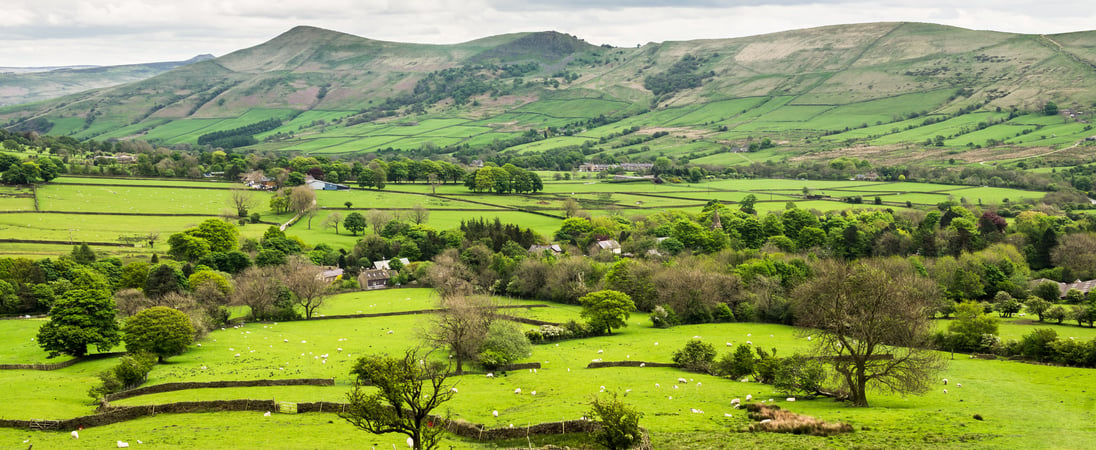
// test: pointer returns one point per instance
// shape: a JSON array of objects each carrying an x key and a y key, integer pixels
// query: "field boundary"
[
  {"x": 604, "y": 364},
  {"x": 112, "y": 415},
  {"x": 424, "y": 311},
  {"x": 182, "y": 386},
  {"x": 61, "y": 365}
]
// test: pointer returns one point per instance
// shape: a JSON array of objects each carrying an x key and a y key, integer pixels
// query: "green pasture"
[
  {"x": 117, "y": 199},
  {"x": 718, "y": 111},
  {"x": 563, "y": 386},
  {"x": 137, "y": 182},
  {"x": 92, "y": 228},
  {"x": 575, "y": 108},
  {"x": 955, "y": 126},
  {"x": 306, "y": 119},
  {"x": 178, "y": 131}
]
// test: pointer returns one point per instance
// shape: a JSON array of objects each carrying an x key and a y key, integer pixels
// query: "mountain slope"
[
  {"x": 813, "y": 90},
  {"x": 18, "y": 87}
]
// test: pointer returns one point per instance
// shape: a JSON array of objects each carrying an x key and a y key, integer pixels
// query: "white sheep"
[
  {"x": 642, "y": 364},
  {"x": 736, "y": 401},
  {"x": 945, "y": 391},
  {"x": 730, "y": 344},
  {"x": 517, "y": 391},
  {"x": 600, "y": 351},
  {"x": 533, "y": 393},
  {"x": 657, "y": 385},
  {"x": 490, "y": 375},
  {"x": 945, "y": 381},
  {"x": 727, "y": 415},
  {"x": 603, "y": 389},
  {"x": 749, "y": 397},
  {"x": 410, "y": 442},
  {"x": 695, "y": 411},
  {"x": 266, "y": 414},
  {"x": 75, "y": 434},
  {"x": 454, "y": 390},
  {"x": 791, "y": 399},
  {"x": 123, "y": 444},
  {"x": 959, "y": 384},
  {"x": 495, "y": 413},
  {"x": 682, "y": 380},
  {"x": 390, "y": 331},
  {"x": 675, "y": 386}
]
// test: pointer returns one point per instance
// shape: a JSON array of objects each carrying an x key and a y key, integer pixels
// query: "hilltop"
[{"x": 893, "y": 91}]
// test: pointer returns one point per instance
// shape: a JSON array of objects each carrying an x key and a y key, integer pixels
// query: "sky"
[{"x": 35, "y": 33}]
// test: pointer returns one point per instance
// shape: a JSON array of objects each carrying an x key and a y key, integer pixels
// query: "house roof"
[
  {"x": 554, "y": 248},
  {"x": 376, "y": 274},
  {"x": 608, "y": 244},
  {"x": 383, "y": 265}
]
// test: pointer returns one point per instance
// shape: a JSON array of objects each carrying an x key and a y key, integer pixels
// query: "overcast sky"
[{"x": 109, "y": 32}]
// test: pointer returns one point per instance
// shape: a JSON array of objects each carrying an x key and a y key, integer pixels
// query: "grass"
[{"x": 991, "y": 389}]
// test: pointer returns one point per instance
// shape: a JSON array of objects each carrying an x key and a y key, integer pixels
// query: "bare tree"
[
  {"x": 257, "y": 288},
  {"x": 131, "y": 301},
  {"x": 301, "y": 199},
  {"x": 333, "y": 220},
  {"x": 378, "y": 219},
  {"x": 419, "y": 214},
  {"x": 243, "y": 200},
  {"x": 871, "y": 321},
  {"x": 461, "y": 326},
  {"x": 303, "y": 279},
  {"x": 571, "y": 207}
]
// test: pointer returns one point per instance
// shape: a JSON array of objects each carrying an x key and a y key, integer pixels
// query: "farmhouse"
[
  {"x": 555, "y": 249},
  {"x": 320, "y": 185},
  {"x": 383, "y": 265},
  {"x": 632, "y": 167},
  {"x": 1063, "y": 288},
  {"x": 375, "y": 279},
  {"x": 329, "y": 275},
  {"x": 606, "y": 245}
]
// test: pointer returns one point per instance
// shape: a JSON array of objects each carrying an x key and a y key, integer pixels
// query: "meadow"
[
  {"x": 1056, "y": 406},
  {"x": 102, "y": 209}
]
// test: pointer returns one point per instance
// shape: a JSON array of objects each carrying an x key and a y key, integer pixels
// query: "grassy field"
[{"x": 991, "y": 389}]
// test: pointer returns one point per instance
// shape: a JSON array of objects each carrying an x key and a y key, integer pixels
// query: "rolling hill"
[
  {"x": 881, "y": 91},
  {"x": 20, "y": 85}
]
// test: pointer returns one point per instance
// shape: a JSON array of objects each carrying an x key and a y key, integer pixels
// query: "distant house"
[
  {"x": 330, "y": 275},
  {"x": 383, "y": 265},
  {"x": 555, "y": 249},
  {"x": 320, "y": 185},
  {"x": 630, "y": 167},
  {"x": 870, "y": 176},
  {"x": 606, "y": 245},
  {"x": 375, "y": 279},
  {"x": 1063, "y": 288}
]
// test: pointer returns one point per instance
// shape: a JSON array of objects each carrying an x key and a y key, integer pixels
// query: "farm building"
[
  {"x": 320, "y": 185},
  {"x": 383, "y": 265},
  {"x": 555, "y": 249},
  {"x": 375, "y": 279},
  {"x": 606, "y": 245},
  {"x": 1063, "y": 288},
  {"x": 330, "y": 274}
]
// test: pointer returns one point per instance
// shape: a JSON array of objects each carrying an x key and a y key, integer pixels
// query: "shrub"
[
  {"x": 505, "y": 341},
  {"x": 696, "y": 356},
  {"x": 738, "y": 364},
  {"x": 663, "y": 317},
  {"x": 766, "y": 365},
  {"x": 619, "y": 422},
  {"x": 799, "y": 376},
  {"x": 1037, "y": 344},
  {"x": 1057, "y": 313},
  {"x": 131, "y": 371},
  {"x": 255, "y": 217},
  {"x": 723, "y": 313}
]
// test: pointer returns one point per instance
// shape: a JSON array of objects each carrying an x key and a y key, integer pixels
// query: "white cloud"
[{"x": 57, "y": 32}]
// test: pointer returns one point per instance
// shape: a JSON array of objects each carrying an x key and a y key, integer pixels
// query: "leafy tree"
[
  {"x": 301, "y": 277},
  {"x": 696, "y": 356},
  {"x": 163, "y": 280},
  {"x": 81, "y": 317},
  {"x": 1050, "y": 109},
  {"x": 1057, "y": 313},
  {"x": 354, "y": 222},
  {"x": 1038, "y": 306},
  {"x": 332, "y": 221},
  {"x": 970, "y": 324},
  {"x": 619, "y": 422},
  {"x": 872, "y": 318},
  {"x": 747, "y": 204},
  {"x": 1005, "y": 305},
  {"x": 186, "y": 247},
  {"x": 505, "y": 343},
  {"x": 607, "y": 309},
  {"x": 406, "y": 391},
  {"x": 462, "y": 326},
  {"x": 83, "y": 254},
  {"x": 738, "y": 364},
  {"x": 159, "y": 330}
]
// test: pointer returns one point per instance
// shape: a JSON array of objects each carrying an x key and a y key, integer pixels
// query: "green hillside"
[{"x": 911, "y": 91}]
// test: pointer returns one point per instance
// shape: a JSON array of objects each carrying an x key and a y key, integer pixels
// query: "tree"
[
  {"x": 258, "y": 289},
  {"x": 1047, "y": 290},
  {"x": 348, "y": 204},
  {"x": 301, "y": 277},
  {"x": 1050, "y": 109},
  {"x": 407, "y": 390},
  {"x": 1036, "y": 305},
  {"x": 970, "y": 324},
  {"x": 872, "y": 322},
  {"x": 83, "y": 254},
  {"x": 607, "y": 309},
  {"x": 302, "y": 199},
  {"x": 159, "y": 330},
  {"x": 1005, "y": 304},
  {"x": 747, "y": 204},
  {"x": 163, "y": 280},
  {"x": 619, "y": 422},
  {"x": 243, "y": 200},
  {"x": 333, "y": 220},
  {"x": 378, "y": 219},
  {"x": 570, "y": 207},
  {"x": 738, "y": 364},
  {"x": 462, "y": 326},
  {"x": 354, "y": 223},
  {"x": 419, "y": 214},
  {"x": 696, "y": 356},
  {"x": 81, "y": 317}
]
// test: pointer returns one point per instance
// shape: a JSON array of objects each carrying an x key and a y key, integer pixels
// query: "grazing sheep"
[
  {"x": 791, "y": 399},
  {"x": 454, "y": 390},
  {"x": 657, "y": 385},
  {"x": 410, "y": 442},
  {"x": 490, "y": 375},
  {"x": 736, "y": 401},
  {"x": 75, "y": 434},
  {"x": 682, "y": 380},
  {"x": 600, "y": 351},
  {"x": 603, "y": 389},
  {"x": 945, "y": 381},
  {"x": 945, "y": 391},
  {"x": 642, "y": 364},
  {"x": 727, "y": 415},
  {"x": 533, "y": 393},
  {"x": 670, "y": 397},
  {"x": 749, "y": 397},
  {"x": 390, "y": 331},
  {"x": 808, "y": 338},
  {"x": 730, "y": 344},
  {"x": 959, "y": 384},
  {"x": 517, "y": 391},
  {"x": 123, "y": 444},
  {"x": 749, "y": 342},
  {"x": 495, "y": 413},
  {"x": 695, "y": 411},
  {"x": 675, "y": 386},
  {"x": 266, "y": 414}
]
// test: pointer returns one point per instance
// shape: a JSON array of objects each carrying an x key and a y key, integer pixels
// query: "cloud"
[{"x": 58, "y": 32}]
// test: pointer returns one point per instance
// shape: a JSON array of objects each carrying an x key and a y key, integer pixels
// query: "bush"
[
  {"x": 1037, "y": 344},
  {"x": 799, "y": 376},
  {"x": 505, "y": 342},
  {"x": 723, "y": 313},
  {"x": 255, "y": 217},
  {"x": 619, "y": 422},
  {"x": 697, "y": 356},
  {"x": 738, "y": 364},
  {"x": 131, "y": 371},
  {"x": 766, "y": 365},
  {"x": 663, "y": 317}
]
